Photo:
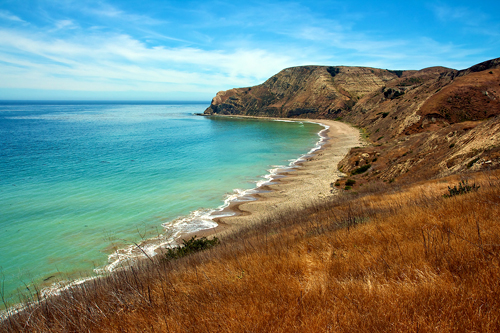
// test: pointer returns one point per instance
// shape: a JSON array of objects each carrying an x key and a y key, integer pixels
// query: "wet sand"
[{"x": 311, "y": 181}]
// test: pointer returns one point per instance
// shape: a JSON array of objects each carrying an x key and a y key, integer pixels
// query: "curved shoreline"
[
  {"x": 308, "y": 182},
  {"x": 126, "y": 256},
  {"x": 207, "y": 221}
]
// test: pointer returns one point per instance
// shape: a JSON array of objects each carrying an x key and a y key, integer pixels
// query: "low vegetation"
[
  {"x": 361, "y": 170},
  {"x": 350, "y": 182},
  {"x": 388, "y": 258},
  {"x": 190, "y": 246},
  {"x": 463, "y": 188}
]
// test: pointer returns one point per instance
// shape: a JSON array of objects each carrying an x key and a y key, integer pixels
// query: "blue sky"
[{"x": 189, "y": 50}]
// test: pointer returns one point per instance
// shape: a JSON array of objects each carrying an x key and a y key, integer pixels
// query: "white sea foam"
[{"x": 287, "y": 121}]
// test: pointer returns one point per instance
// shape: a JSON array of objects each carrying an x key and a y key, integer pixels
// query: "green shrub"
[
  {"x": 410, "y": 81},
  {"x": 392, "y": 94},
  {"x": 347, "y": 188},
  {"x": 360, "y": 170},
  {"x": 350, "y": 182},
  {"x": 333, "y": 71},
  {"x": 463, "y": 188},
  {"x": 190, "y": 246},
  {"x": 398, "y": 73}
]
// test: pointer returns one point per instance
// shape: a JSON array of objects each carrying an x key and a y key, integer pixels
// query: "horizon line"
[{"x": 100, "y": 101}]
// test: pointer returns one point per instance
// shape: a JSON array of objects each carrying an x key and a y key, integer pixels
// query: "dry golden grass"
[{"x": 392, "y": 260}]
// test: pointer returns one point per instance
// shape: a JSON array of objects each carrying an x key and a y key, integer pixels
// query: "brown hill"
[
  {"x": 317, "y": 91},
  {"x": 432, "y": 122}
]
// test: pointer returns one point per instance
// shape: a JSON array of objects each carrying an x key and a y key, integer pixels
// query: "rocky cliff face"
[
  {"x": 435, "y": 121},
  {"x": 307, "y": 91}
]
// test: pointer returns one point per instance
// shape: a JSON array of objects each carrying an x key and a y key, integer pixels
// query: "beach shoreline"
[
  {"x": 308, "y": 180},
  {"x": 312, "y": 179}
]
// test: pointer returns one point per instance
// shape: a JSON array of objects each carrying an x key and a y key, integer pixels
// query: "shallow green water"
[{"x": 78, "y": 181}]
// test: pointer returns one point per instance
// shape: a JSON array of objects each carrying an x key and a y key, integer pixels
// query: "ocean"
[{"x": 81, "y": 182}]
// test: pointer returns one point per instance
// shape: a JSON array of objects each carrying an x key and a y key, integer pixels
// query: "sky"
[{"x": 189, "y": 50}]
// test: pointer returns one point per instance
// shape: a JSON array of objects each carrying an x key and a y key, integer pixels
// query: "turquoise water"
[{"x": 79, "y": 181}]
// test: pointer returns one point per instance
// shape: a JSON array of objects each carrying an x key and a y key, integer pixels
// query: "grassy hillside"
[{"x": 387, "y": 258}]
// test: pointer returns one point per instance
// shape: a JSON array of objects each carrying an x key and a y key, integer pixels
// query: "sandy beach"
[{"x": 309, "y": 182}]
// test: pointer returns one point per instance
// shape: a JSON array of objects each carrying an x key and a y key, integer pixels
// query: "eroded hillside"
[
  {"x": 432, "y": 122},
  {"x": 314, "y": 91}
]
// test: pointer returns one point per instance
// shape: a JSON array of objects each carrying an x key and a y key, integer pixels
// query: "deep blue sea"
[{"x": 81, "y": 181}]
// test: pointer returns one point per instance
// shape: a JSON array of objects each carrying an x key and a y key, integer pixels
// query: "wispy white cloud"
[
  {"x": 347, "y": 39},
  {"x": 447, "y": 13},
  {"x": 109, "y": 11},
  {"x": 119, "y": 62},
  {"x": 65, "y": 24},
  {"x": 380, "y": 51},
  {"x": 466, "y": 15},
  {"x": 468, "y": 19},
  {"x": 6, "y": 15},
  {"x": 338, "y": 39},
  {"x": 131, "y": 18}
]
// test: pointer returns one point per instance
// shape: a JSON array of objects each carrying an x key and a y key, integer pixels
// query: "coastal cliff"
[
  {"x": 433, "y": 122},
  {"x": 314, "y": 91}
]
